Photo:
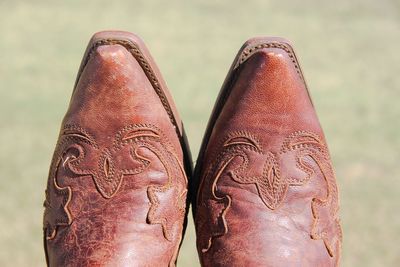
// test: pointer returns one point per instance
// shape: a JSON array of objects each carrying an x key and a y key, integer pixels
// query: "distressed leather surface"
[
  {"x": 116, "y": 193},
  {"x": 267, "y": 194}
]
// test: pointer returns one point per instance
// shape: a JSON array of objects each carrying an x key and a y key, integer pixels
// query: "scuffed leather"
[
  {"x": 267, "y": 192},
  {"x": 116, "y": 193}
]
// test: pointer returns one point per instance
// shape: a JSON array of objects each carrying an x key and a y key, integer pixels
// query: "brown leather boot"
[
  {"x": 116, "y": 193},
  {"x": 267, "y": 194}
]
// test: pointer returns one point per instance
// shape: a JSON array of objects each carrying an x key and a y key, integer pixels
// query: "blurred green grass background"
[{"x": 347, "y": 49}]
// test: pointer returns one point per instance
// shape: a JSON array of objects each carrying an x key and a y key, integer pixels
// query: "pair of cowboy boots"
[{"x": 120, "y": 183}]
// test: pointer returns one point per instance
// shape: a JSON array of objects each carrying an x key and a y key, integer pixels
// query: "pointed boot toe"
[
  {"x": 267, "y": 194},
  {"x": 117, "y": 186}
]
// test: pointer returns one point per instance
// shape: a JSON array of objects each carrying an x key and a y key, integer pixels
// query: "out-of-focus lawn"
[{"x": 348, "y": 51}]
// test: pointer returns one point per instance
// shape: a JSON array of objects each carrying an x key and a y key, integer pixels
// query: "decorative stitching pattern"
[
  {"x": 57, "y": 210},
  {"x": 76, "y": 149},
  {"x": 272, "y": 185}
]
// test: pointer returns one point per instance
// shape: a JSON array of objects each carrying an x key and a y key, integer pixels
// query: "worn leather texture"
[
  {"x": 117, "y": 186},
  {"x": 267, "y": 194}
]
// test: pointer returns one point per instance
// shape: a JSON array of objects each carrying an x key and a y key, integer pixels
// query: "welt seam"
[{"x": 249, "y": 51}]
